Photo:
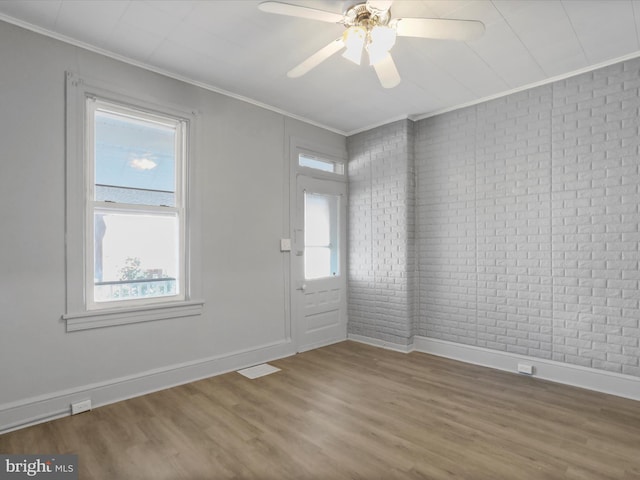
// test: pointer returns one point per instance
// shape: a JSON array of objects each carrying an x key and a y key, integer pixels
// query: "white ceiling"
[{"x": 231, "y": 46}]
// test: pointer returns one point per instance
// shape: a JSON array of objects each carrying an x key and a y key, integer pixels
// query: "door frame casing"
[{"x": 299, "y": 146}]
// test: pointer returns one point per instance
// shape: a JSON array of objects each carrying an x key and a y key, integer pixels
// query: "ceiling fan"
[{"x": 369, "y": 27}]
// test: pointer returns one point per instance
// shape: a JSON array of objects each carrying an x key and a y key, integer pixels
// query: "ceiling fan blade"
[
  {"x": 316, "y": 59},
  {"x": 387, "y": 72},
  {"x": 301, "y": 12},
  {"x": 379, "y": 5},
  {"x": 439, "y": 28}
]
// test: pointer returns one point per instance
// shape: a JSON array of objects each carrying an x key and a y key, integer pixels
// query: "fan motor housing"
[{"x": 360, "y": 15}]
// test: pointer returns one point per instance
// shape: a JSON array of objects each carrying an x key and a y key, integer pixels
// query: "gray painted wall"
[
  {"x": 244, "y": 168},
  {"x": 528, "y": 223}
]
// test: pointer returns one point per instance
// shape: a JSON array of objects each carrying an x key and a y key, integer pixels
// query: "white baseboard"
[
  {"x": 396, "y": 347},
  {"x": 40, "y": 409},
  {"x": 31, "y": 411},
  {"x": 323, "y": 343},
  {"x": 590, "y": 378}
]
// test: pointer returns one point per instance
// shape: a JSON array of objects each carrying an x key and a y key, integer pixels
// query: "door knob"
[{"x": 302, "y": 287}]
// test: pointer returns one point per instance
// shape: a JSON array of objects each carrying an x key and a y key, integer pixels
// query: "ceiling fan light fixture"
[
  {"x": 381, "y": 40},
  {"x": 354, "y": 39},
  {"x": 369, "y": 25}
]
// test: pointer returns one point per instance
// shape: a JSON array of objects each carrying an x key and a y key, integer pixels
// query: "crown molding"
[{"x": 161, "y": 71}]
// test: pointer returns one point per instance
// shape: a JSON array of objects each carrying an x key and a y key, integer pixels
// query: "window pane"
[
  {"x": 317, "y": 262},
  {"x": 134, "y": 160},
  {"x": 321, "y": 255},
  {"x": 136, "y": 256},
  {"x": 317, "y": 228},
  {"x": 134, "y": 196},
  {"x": 320, "y": 164}
]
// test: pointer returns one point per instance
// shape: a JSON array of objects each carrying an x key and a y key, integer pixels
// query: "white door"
[{"x": 319, "y": 263}]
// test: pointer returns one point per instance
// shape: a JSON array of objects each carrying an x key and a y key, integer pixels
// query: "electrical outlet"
[
  {"x": 525, "y": 368},
  {"x": 80, "y": 407}
]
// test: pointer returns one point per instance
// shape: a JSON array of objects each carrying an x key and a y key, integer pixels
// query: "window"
[
  {"x": 321, "y": 235},
  {"x": 135, "y": 205},
  {"x": 324, "y": 165},
  {"x": 132, "y": 221}
]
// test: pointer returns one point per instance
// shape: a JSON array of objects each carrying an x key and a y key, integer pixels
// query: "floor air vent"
[{"x": 258, "y": 371}]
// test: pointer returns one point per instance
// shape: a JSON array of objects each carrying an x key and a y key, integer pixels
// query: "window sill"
[{"x": 122, "y": 316}]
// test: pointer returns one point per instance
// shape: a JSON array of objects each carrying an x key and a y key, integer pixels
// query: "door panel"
[{"x": 319, "y": 263}]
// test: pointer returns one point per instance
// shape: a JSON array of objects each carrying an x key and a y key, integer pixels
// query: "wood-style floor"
[{"x": 350, "y": 411}]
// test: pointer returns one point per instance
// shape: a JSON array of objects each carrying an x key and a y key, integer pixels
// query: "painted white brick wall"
[
  {"x": 521, "y": 232},
  {"x": 531, "y": 202},
  {"x": 595, "y": 198},
  {"x": 513, "y": 224},
  {"x": 445, "y": 163},
  {"x": 381, "y": 226}
]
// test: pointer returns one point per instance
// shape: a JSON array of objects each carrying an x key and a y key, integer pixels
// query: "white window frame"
[
  {"x": 94, "y": 105},
  {"x": 337, "y": 164},
  {"x": 317, "y": 154},
  {"x": 84, "y": 97}
]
